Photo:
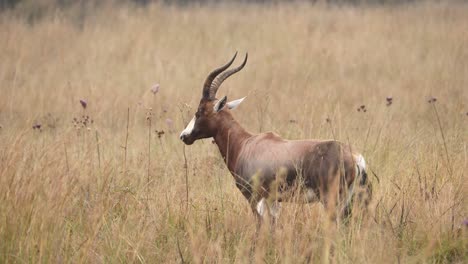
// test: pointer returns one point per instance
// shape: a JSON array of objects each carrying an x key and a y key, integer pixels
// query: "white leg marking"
[
  {"x": 261, "y": 207},
  {"x": 275, "y": 208},
  {"x": 189, "y": 128},
  {"x": 310, "y": 196}
]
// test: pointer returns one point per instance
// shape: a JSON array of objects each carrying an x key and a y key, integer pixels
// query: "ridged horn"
[
  {"x": 219, "y": 80},
  {"x": 212, "y": 76}
]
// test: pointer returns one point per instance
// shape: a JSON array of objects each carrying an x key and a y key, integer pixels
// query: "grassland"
[{"x": 112, "y": 190}]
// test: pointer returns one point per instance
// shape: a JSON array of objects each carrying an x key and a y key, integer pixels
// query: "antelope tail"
[{"x": 361, "y": 189}]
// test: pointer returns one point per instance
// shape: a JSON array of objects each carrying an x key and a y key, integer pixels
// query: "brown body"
[
  {"x": 268, "y": 169},
  {"x": 265, "y": 161}
]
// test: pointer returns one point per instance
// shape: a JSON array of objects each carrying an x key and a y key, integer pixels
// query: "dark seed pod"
[{"x": 83, "y": 103}]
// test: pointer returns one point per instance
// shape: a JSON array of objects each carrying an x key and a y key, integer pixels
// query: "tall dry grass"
[{"x": 111, "y": 190}]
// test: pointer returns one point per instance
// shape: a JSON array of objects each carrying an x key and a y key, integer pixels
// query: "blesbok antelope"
[{"x": 268, "y": 169}]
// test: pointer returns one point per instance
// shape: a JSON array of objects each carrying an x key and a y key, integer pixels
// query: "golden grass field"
[{"x": 112, "y": 191}]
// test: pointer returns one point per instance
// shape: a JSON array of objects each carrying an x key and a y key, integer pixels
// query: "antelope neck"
[{"x": 229, "y": 139}]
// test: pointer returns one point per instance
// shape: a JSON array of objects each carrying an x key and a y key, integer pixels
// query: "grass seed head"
[
  {"x": 155, "y": 88},
  {"x": 432, "y": 100},
  {"x": 160, "y": 133},
  {"x": 83, "y": 103},
  {"x": 170, "y": 125},
  {"x": 37, "y": 127},
  {"x": 389, "y": 100}
]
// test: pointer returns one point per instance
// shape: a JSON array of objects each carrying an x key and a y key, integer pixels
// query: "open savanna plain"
[{"x": 112, "y": 182}]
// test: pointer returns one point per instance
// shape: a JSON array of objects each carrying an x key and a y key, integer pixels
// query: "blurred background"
[{"x": 94, "y": 94}]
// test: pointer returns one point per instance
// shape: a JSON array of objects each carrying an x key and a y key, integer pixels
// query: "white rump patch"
[
  {"x": 189, "y": 128},
  {"x": 360, "y": 167},
  {"x": 361, "y": 162}
]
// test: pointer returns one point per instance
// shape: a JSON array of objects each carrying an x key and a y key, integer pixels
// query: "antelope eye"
[{"x": 197, "y": 114}]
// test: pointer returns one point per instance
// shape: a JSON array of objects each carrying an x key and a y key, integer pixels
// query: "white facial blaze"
[{"x": 188, "y": 130}]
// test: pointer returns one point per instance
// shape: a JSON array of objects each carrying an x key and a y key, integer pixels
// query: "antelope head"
[{"x": 207, "y": 118}]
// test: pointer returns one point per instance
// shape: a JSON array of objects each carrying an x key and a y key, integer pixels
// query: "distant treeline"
[
  {"x": 79, "y": 10},
  {"x": 10, "y": 4}
]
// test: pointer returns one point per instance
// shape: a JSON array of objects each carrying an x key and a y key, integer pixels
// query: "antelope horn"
[
  {"x": 219, "y": 80},
  {"x": 213, "y": 74}
]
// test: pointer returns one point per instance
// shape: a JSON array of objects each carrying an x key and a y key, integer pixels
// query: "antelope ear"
[
  {"x": 220, "y": 104},
  {"x": 235, "y": 103}
]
